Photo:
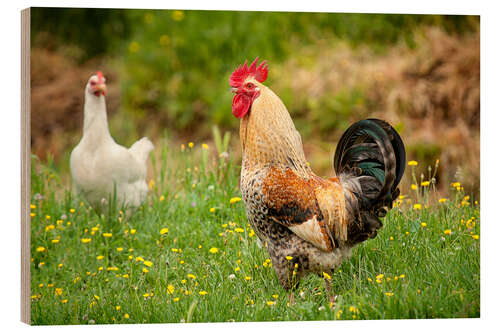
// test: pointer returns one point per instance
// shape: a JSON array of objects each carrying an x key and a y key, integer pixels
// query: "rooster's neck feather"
[{"x": 268, "y": 135}]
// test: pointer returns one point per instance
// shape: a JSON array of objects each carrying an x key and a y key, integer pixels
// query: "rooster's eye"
[{"x": 249, "y": 85}]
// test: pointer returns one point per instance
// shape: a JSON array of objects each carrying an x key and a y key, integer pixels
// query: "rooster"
[
  {"x": 102, "y": 169},
  {"x": 310, "y": 224}
]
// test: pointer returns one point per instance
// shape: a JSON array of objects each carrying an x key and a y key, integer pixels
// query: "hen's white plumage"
[{"x": 100, "y": 166}]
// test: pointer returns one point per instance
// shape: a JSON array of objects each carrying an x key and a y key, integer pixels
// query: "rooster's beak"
[{"x": 233, "y": 90}]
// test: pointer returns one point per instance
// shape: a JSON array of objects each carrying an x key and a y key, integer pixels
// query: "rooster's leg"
[{"x": 330, "y": 292}]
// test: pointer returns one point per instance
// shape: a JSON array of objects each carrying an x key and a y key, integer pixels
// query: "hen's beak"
[{"x": 100, "y": 89}]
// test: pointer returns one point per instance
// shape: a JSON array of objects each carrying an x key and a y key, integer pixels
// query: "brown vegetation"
[
  {"x": 431, "y": 93},
  {"x": 57, "y": 96}
]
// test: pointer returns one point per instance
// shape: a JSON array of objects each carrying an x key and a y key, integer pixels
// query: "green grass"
[{"x": 437, "y": 273}]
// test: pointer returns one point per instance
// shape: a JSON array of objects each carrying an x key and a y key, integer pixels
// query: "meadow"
[{"x": 189, "y": 255}]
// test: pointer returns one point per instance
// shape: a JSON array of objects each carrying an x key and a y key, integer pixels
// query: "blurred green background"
[{"x": 168, "y": 70}]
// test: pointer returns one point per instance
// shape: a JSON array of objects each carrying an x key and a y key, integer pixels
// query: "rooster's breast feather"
[{"x": 305, "y": 206}]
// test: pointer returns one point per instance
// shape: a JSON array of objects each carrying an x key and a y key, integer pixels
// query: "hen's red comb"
[
  {"x": 242, "y": 72},
  {"x": 100, "y": 77}
]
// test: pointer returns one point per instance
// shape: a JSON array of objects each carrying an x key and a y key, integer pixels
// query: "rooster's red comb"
[{"x": 242, "y": 72}]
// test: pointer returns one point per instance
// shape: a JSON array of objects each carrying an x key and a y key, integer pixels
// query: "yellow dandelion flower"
[
  {"x": 413, "y": 163},
  {"x": 288, "y": 258},
  {"x": 205, "y": 146},
  {"x": 327, "y": 276},
  {"x": 107, "y": 234},
  {"x": 275, "y": 296},
  {"x": 125, "y": 276},
  {"x": 119, "y": 249},
  {"x": 476, "y": 237},
  {"x": 137, "y": 259},
  {"x": 389, "y": 294},
  {"x": 64, "y": 301},
  {"x": 148, "y": 263},
  {"x": 97, "y": 297},
  {"x": 447, "y": 232},
  {"x": 248, "y": 278},
  {"x": 32, "y": 214},
  {"x": 212, "y": 210},
  {"x": 126, "y": 316},
  {"x": 40, "y": 249},
  {"x": 132, "y": 231},
  {"x": 203, "y": 293},
  {"x": 176, "y": 299},
  {"x": 58, "y": 291},
  {"x": 234, "y": 200},
  {"x": 369, "y": 280},
  {"x": 414, "y": 186},
  {"x": 240, "y": 230},
  {"x": 236, "y": 269},
  {"x": 86, "y": 240},
  {"x": 118, "y": 307},
  {"x": 71, "y": 210},
  {"x": 170, "y": 289},
  {"x": 425, "y": 183},
  {"x": 191, "y": 145},
  {"x": 391, "y": 238},
  {"x": 32, "y": 206},
  {"x": 164, "y": 41},
  {"x": 380, "y": 276},
  {"x": 402, "y": 276},
  {"x": 178, "y": 15},
  {"x": 417, "y": 206},
  {"x": 442, "y": 200},
  {"x": 133, "y": 47},
  {"x": 145, "y": 270},
  {"x": 270, "y": 303},
  {"x": 100, "y": 257},
  {"x": 191, "y": 276},
  {"x": 339, "y": 314},
  {"x": 423, "y": 224}
]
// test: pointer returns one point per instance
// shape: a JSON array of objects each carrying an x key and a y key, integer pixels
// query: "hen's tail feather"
[
  {"x": 371, "y": 153},
  {"x": 141, "y": 149}
]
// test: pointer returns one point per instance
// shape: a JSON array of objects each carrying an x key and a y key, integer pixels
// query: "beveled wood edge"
[{"x": 25, "y": 165}]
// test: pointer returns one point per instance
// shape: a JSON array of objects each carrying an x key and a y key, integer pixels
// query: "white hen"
[{"x": 101, "y": 168}]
